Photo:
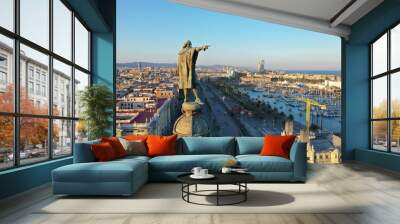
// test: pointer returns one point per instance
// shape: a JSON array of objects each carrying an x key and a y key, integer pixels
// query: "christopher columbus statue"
[{"x": 187, "y": 69}]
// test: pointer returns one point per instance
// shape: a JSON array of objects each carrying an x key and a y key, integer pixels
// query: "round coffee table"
[{"x": 238, "y": 179}]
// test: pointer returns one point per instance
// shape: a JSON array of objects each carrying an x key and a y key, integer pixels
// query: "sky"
[
  {"x": 35, "y": 27},
  {"x": 155, "y": 30}
]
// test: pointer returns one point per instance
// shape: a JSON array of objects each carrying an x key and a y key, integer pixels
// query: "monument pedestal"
[{"x": 192, "y": 122}]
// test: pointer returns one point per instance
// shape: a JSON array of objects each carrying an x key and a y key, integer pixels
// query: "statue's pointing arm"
[{"x": 202, "y": 48}]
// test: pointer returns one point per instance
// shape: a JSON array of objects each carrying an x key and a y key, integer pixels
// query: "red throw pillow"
[
  {"x": 116, "y": 145},
  {"x": 103, "y": 152},
  {"x": 277, "y": 145},
  {"x": 161, "y": 145}
]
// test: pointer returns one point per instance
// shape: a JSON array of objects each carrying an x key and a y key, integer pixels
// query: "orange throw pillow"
[
  {"x": 116, "y": 145},
  {"x": 277, "y": 145},
  {"x": 103, "y": 152},
  {"x": 161, "y": 145}
]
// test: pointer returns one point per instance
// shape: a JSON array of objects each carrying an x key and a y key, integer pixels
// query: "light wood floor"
[{"x": 378, "y": 189}]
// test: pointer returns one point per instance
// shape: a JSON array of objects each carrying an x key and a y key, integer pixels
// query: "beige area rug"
[{"x": 166, "y": 198}]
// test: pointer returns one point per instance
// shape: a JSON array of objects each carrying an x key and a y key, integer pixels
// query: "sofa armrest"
[
  {"x": 298, "y": 155},
  {"x": 83, "y": 152}
]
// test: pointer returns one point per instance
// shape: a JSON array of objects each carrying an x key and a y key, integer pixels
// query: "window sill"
[
  {"x": 30, "y": 166},
  {"x": 381, "y": 159}
]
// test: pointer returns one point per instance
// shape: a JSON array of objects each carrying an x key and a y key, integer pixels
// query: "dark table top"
[{"x": 220, "y": 178}]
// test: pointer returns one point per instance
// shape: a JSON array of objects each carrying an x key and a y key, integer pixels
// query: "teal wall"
[
  {"x": 103, "y": 62},
  {"x": 356, "y": 85},
  {"x": 103, "y": 59},
  {"x": 24, "y": 178},
  {"x": 99, "y": 16},
  {"x": 380, "y": 159},
  {"x": 104, "y": 51}
]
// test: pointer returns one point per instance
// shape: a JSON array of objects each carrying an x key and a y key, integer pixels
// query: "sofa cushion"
[
  {"x": 161, "y": 145},
  {"x": 132, "y": 158},
  {"x": 116, "y": 145},
  {"x": 103, "y": 152},
  {"x": 249, "y": 145},
  {"x": 257, "y": 163},
  {"x": 134, "y": 147},
  {"x": 207, "y": 145},
  {"x": 277, "y": 145},
  {"x": 185, "y": 163},
  {"x": 112, "y": 171}
]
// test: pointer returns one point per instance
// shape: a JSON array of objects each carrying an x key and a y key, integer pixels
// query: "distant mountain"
[
  {"x": 145, "y": 64},
  {"x": 216, "y": 67},
  {"x": 312, "y": 72},
  {"x": 163, "y": 65}
]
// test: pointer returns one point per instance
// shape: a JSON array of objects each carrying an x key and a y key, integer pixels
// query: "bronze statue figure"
[{"x": 186, "y": 68}]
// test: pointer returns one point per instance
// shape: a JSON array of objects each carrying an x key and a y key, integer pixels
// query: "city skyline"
[{"x": 156, "y": 32}]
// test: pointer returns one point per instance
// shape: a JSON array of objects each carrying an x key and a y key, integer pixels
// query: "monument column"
[{"x": 192, "y": 121}]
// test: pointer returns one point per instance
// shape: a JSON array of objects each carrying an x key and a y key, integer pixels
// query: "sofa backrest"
[
  {"x": 83, "y": 152},
  {"x": 206, "y": 145},
  {"x": 249, "y": 145},
  {"x": 191, "y": 146}
]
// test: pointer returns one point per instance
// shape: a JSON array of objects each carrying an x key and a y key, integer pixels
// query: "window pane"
[
  {"x": 62, "y": 89},
  {"x": 62, "y": 29},
  {"x": 395, "y": 47},
  {"x": 81, "y": 45},
  {"x": 379, "y": 55},
  {"x": 6, "y": 74},
  {"x": 6, "y": 142},
  {"x": 62, "y": 138},
  {"x": 34, "y": 97},
  {"x": 81, "y": 132},
  {"x": 395, "y": 138},
  {"x": 395, "y": 94},
  {"x": 379, "y": 97},
  {"x": 81, "y": 81},
  {"x": 35, "y": 21},
  {"x": 379, "y": 135},
  {"x": 7, "y": 14},
  {"x": 33, "y": 139}
]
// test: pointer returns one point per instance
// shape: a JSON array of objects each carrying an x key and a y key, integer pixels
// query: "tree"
[
  {"x": 97, "y": 102},
  {"x": 6, "y": 132},
  {"x": 380, "y": 127},
  {"x": 81, "y": 129},
  {"x": 33, "y": 131},
  {"x": 6, "y": 122}
]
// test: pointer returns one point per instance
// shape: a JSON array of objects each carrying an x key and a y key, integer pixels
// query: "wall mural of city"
[{"x": 251, "y": 78}]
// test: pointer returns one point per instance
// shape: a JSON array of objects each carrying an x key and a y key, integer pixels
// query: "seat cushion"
[
  {"x": 249, "y": 145},
  {"x": 207, "y": 145},
  {"x": 257, "y": 163},
  {"x": 132, "y": 160},
  {"x": 185, "y": 163},
  {"x": 112, "y": 171}
]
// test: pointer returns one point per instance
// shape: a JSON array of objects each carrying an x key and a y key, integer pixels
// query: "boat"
[{"x": 259, "y": 89}]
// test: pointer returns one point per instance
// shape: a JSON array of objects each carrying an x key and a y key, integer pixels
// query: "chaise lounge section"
[{"x": 125, "y": 176}]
